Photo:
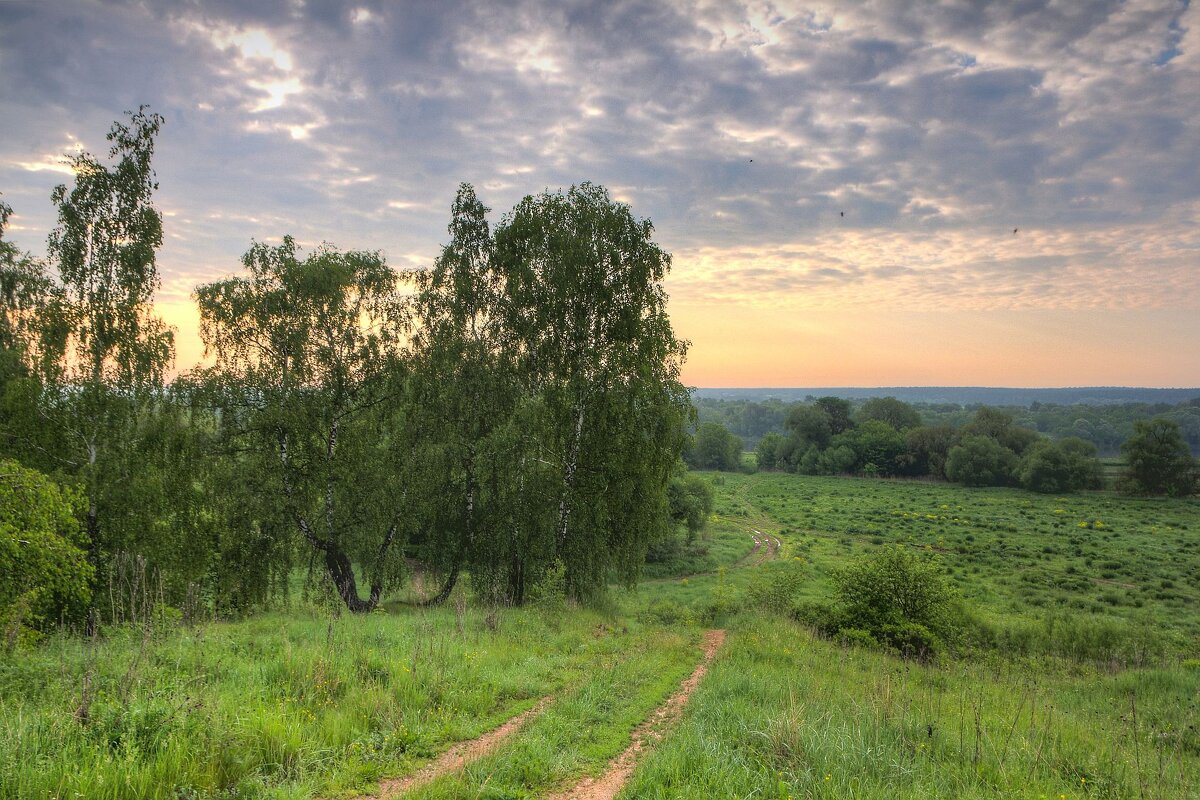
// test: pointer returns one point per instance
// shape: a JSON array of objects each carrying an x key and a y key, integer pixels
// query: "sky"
[{"x": 870, "y": 194}]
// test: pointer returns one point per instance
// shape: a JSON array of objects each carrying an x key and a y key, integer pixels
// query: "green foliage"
[
  {"x": 1104, "y": 425},
  {"x": 878, "y": 448},
  {"x": 1158, "y": 461},
  {"x": 690, "y": 498},
  {"x": 767, "y": 453},
  {"x": 304, "y": 355},
  {"x": 95, "y": 352},
  {"x": 899, "y": 415},
  {"x": 1059, "y": 467},
  {"x": 809, "y": 426},
  {"x": 24, "y": 287},
  {"x": 598, "y": 364},
  {"x": 838, "y": 412},
  {"x": 775, "y": 585},
  {"x": 714, "y": 447},
  {"x": 1000, "y": 427},
  {"x": 980, "y": 461},
  {"x": 44, "y": 574},
  {"x": 901, "y": 597},
  {"x": 926, "y": 450}
]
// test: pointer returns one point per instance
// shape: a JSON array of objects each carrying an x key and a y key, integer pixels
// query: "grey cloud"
[{"x": 972, "y": 116}]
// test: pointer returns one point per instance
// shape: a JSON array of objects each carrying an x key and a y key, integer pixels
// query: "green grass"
[
  {"x": 1017, "y": 557},
  {"x": 283, "y": 705},
  {"x": 784, "y": 715},
  {"x": 1080, "y": 678},
  {"x": 720, "y": 544},
  {"x": 583, "y": 731}
]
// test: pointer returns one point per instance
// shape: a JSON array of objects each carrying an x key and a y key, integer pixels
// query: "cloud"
[{"x": 789, "y": 153}]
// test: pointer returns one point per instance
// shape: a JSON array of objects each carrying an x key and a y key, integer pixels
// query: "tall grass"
[
  {"x": 783, "y": 714},
  {"x": 280, "y": 706}
]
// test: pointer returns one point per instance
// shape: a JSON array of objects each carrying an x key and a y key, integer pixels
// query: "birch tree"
[
  {"x": 585, "y": 305},
  {"x": 306, "y": 354},
  {"x": 100, "y": 352}
]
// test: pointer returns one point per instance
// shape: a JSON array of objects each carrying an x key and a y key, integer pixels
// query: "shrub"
[
  {"x": 901, "y": 597},
  {"x": 980, "y": 461},
  {"x": 856, "y": 637},
  {"x": 44, "y": 574},
  {"x": 664, "y": 612}
]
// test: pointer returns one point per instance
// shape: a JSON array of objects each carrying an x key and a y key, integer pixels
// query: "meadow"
[{"x": 1078, "y": 677}]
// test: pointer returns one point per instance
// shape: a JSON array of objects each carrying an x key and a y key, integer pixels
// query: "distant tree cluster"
[
  {"x": 512, "y": 412},
  {"x": 1106, "y": 426},
  {"x": 889, "y": 438},
  {"x": 824, "y": 438},
  {"x": 713, "y": 447}
]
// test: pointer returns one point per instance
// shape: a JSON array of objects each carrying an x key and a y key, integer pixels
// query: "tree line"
[
  {"x": 1106, "y": 426},
  {"x": 512, "y": 412},
  {"x": 886, "y": 437}
]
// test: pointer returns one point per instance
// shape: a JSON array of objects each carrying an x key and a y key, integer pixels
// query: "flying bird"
[
  {"x": 843, "y": 213},
  {"x": 752, "y": 161},
  {"x": 1014, "y": 231}
]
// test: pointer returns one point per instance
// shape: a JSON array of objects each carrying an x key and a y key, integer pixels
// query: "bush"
[
  {"x": 721, "y": 602},
  {"x": 664, "y": 612},
  {"x": 980, "y": 461},
  {"x": 1159, "y": 459},
  {"x": 902, "y": 598},
  {"x": 911, "y": 639},
  {"x": 856, "y": 637},
  {"x": 44, "y": 574}
]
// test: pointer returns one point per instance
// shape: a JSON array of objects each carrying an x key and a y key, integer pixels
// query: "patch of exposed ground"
[
  {"x": 768, "y": 541},
  {"x": 609, "y": 785}
]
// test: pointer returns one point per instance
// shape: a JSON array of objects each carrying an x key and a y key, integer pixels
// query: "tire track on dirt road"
[
  {"x": 620, "y": 769},
  {"x": 457, "y": 757}
]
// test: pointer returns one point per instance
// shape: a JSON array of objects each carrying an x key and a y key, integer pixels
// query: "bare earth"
[
  {"x": 608, "y": 785},
  {"x": 772, "y": 543},
  {"x": 457, "y": 756}
]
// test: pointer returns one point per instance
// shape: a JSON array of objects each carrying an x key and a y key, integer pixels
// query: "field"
[
  {"x": 1079, "y": 680},
  {"x": 1015, "y": 556}
]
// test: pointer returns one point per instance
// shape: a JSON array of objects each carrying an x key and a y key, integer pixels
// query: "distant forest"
[
  {"x": 1104, "y": 423},
  {"x": 966, "y": 395}
]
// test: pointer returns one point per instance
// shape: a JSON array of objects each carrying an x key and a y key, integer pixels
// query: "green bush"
[
  {"x": 981, "y": 461},
  {"x": 664, "y": 612},
  {"x": 856, "y": 637},
  {"x": 901, "y": 597},
  {"x": 44, "y": 574}
]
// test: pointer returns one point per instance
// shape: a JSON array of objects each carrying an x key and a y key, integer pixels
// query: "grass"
[
  {"x": 583, "y": 731},
  {"x": 1019, "y": 558},
  {"x": 1086, "y": 685},
  {"x": 782, "y": 715},
  {"x": 283, "y": 706}
]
